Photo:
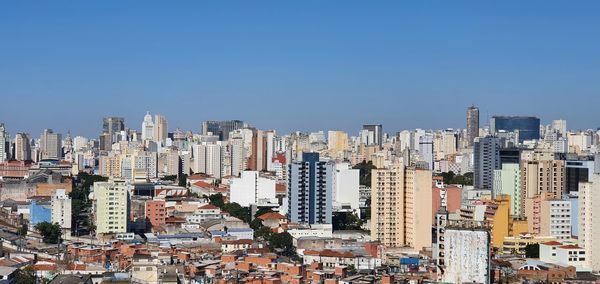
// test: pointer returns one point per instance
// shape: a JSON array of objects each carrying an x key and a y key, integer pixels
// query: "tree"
[
  {"x": 25, "y": 276},
  {"x": 256, "y": 224},
  {"x": 80, "y": 202},
  {"x": 263, "y": 233},
  {"x": 170, "y": 177},
  {"x": 183, "y": 180},
  {"x": 282, "y": 243},
  {"x": 50, "y": 232},
  {"x": 22, "y": 231},
  {"x": 365, "y": 168},
  {"x": 216, "y": 200},
  {"x": 345, "y": 221},
  {"x": 532, "y": 251},
  {"x": 448, "y": 177},
  {"x": 234, "y": 209}
]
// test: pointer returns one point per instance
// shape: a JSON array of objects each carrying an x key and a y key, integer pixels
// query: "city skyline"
[{"x": 404, "y": 65}]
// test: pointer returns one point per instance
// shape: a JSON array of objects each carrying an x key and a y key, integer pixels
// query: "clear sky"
[{"x": 296, "y": 65}]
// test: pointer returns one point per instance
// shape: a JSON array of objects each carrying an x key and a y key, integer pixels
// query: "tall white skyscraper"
[{"x": 147, "y": 127}]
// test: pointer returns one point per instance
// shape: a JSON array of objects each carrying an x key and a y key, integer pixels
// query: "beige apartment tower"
[
  {"x": 401, "y": 207},
  {"x": 542, "y": 177},
  {"x": 589, "y": 221}
]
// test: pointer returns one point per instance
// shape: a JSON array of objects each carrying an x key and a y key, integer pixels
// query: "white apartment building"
[
  {"x": 61, "y": 209},
  {"x": 250, "y": 187}
]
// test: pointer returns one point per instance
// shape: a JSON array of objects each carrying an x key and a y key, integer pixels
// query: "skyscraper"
[
  {"x": 160, "y": 129},
  {"x": 4, "y": 144},
  {"x": 589, "y": 221},
  {"x": 147, "y": 127},
  {"x": 472, "y": 124},
  {"x": 401, "y": 206},
  {"x": 426, "y": 150},
  {"x": 221, "y": 128},
  {"x": 22, "y": 147},
  {"x": 113, "y": 125},
  {"x": 310, "y": 196},
  {"x": 528, "y": 127},
  {"x": 50, "y": 145},
  {"x": 377, "y": 133},
  {"x": 486, "y": 159}
]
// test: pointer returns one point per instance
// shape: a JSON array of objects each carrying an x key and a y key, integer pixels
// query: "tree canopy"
[
  {"x": 51, "y": 233},
  {"x": 365, "y": 169},
  {"x": 234, "y": 209},
  {"x": 346, "y": 221},
  {"x": 452, "y": 178}
]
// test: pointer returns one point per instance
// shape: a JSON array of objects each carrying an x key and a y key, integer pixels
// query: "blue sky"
[{"x": 296, "y": 65}]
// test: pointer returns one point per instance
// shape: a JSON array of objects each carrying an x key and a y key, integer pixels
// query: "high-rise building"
[
  {"x": 221, "y": 128},
  {"x": 160, "y": 129},
  {"x": 401, "y": 206},
  {"x": 507, "y": 181},
  {"x": 238, "y": 156},
  {"x": 472, "y": 124},
  {"x": 310, "y": 190},
  {"x": 250, "y": 188},
  {"x": 528, "y": 127},
  {"x": 111, "y": 207},
  {"x": 376, "y": 131},
  {"x": 578, "y": 171},
  {"x": 346, "y": 184},
  {"x": 337, "y": 142},
  {"x": 4, "y": 144},
  {"x": 426, "y": 150},
  {"x": 467, "y": 253},
  {"x": 61, "y": 209},
  {"x": 560, "y": 127},
  {"x": 113, "y": 125},
  {"x": 208, "y": 159},
  {"x": 50, "y": 145},
  {"x": 589, "y": 221},
  {"x": 147, "y": 127},
  {"x": 543, "y": 177},
  {"x": 486, "y": 160},
  {"x": 22, "y": 147},
  {"x": 262, "y": 150}
]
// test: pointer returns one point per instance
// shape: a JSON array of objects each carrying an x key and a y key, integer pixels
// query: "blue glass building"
[{"x": 527, "y": 126}]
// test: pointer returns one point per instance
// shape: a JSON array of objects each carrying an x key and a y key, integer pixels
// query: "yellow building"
[
  {"x": 337, "y": 142},
  {"x": 401, "y": 206},
  {"x": 516, "y": 244},
  {"x": 503, "y": 223},
  {"x": 111, "y": 203}
]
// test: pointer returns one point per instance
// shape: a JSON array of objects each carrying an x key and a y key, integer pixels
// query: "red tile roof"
[
  {"x": 570, "y": 247},
  {"x": 280, "y": 188},
  {"x": 203, "y": 184},
  {"x": 208, "y": 207},
  {"x": 271, "y": 215},
  {"x": 552, "y": 243},
  {"x": 329, "y": 253}
]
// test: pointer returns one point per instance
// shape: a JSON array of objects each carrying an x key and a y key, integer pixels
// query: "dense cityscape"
[{"x": 508, "y": 200}]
